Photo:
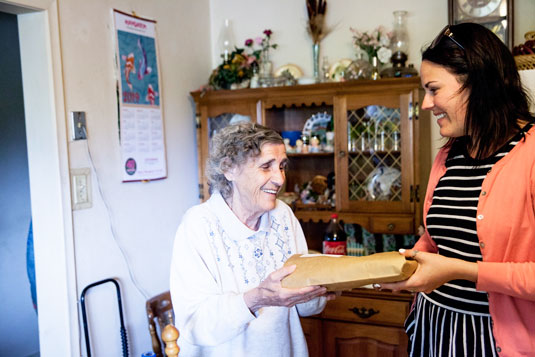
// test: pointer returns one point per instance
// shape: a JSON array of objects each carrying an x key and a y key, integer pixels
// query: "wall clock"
[{"x": 496, "y": 15}]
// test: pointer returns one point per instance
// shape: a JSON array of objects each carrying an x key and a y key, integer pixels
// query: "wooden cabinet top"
[{"x": 314, "y": 92}]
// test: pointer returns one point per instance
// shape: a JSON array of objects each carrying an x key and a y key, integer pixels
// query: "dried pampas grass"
[{"x": 316, "y": 19}]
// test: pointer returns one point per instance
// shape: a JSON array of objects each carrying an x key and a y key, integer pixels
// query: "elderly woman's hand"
[
  {"x": 433, "y": 271},
  {"x": 271, "y": 293}
]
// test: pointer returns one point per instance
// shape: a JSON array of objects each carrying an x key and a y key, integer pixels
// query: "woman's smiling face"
[
  {"x": 444, "y": 99},
  {"x": 257, "y": 182}
]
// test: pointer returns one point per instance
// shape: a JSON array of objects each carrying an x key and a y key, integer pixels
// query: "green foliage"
[{"x": 236, "y": 70}]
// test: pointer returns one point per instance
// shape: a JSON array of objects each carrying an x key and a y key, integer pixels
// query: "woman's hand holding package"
[
  {"x": 271, "y": 293},
  {"x": 433, "y": 271}
]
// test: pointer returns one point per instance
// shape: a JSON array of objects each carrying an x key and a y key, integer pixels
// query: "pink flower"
[
  {"x": 267, "y": 33},
  {"x": 251, "y": 59},
  {"x": 248, "y": 42},
  {"x": 258, "y": 40}
]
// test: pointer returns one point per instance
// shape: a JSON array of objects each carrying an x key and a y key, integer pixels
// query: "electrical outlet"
[
  {"x": 81, "y": 188},
  {"x": 79, "y": 130}
]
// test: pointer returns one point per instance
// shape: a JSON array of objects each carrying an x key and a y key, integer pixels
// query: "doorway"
[
  {"x": 18, "y": 326},
  {"x": 48, "y": 168}
]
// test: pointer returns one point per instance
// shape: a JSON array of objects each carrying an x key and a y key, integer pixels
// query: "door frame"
[{"x": 48, "y": 163}]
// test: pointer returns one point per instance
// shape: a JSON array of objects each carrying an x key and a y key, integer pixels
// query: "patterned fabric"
[
  {"x": 216, "y": 258},
  {"x": 436, "y": 331},
  {"x": 454, "y": 318}
]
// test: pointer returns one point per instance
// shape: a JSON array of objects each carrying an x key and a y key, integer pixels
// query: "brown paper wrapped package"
[{"x": 340, "y": 272}]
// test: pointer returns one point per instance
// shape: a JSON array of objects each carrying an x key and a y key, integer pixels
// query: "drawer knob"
[
  {"x": 390, "y": 227},
  {"x": 363, "y": 312}
]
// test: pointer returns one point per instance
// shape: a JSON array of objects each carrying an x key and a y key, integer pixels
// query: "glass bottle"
[
  {"x": 266, "y": 67},
  {"x": 375, "y": 70},
  {"x": 335, "y": 239},
  {"x": 325, "y": 66},
  {"x": 396, "y": 140}
]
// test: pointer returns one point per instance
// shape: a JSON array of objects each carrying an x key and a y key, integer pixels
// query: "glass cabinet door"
[{"x": 375, "y": 165}]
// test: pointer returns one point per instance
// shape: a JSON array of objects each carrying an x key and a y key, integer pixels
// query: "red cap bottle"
[{"x": 335, "y": 240}]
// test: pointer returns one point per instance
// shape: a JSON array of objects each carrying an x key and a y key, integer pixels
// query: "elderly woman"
[{"x": 227, "y": 261}]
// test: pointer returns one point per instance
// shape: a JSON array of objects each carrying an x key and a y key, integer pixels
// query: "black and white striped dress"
[{"x": 454, "y": 319}]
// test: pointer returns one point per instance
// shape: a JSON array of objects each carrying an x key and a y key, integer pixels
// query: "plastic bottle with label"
[{"x": 335, "y": 239}]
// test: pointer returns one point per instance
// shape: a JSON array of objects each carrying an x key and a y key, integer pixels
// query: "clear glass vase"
[
  {"x": 266, "y": 66},
  {"x": 316, "y": 60}
]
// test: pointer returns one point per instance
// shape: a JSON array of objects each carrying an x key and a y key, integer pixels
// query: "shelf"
[
  {"x": 374, "y": 152},
  {"x": 309, "y": 154}
]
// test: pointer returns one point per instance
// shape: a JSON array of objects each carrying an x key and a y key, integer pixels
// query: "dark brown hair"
[{"x": 487, "y": 69}]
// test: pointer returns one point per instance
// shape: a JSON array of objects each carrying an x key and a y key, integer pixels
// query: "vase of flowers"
[
  {"x": 233, "y": 73},
  {"x": 374, "y": 44},
  {"x": 262, "y": 53}
]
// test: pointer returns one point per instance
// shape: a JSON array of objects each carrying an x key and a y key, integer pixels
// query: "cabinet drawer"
[
  {"x": 356, "y": 309},
  {"x": 392, "y": 225}
]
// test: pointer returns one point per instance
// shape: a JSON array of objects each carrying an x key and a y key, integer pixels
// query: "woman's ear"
[
  {"x": 229, "y": 174},
  {"x": 228, "y": 170}
]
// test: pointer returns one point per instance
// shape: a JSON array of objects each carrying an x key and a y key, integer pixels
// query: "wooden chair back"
[
  {"x": 159, "y": 314},
  {"x": 170, "y": 336}
]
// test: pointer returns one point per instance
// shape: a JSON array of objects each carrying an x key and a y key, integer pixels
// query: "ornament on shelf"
[{"x": 400, "y": 48}]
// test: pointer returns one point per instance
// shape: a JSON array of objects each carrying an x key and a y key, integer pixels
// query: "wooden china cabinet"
[{"x": 380, "y": 159}]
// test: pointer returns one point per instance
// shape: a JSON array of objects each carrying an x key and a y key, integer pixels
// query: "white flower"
[
  {"x": 384, "y": 54},
  {"x": 385, "y": 41}
]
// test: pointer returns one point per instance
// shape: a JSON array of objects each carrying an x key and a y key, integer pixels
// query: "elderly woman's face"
[{"x": 257, "y": 182}]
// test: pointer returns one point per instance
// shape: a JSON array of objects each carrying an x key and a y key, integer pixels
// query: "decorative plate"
[
  {"x": 336, "y": 72},
  {"x": 317, "y": 124},
  {"x": 294, "y": 70},
  {"x": 382, "y": 181}
]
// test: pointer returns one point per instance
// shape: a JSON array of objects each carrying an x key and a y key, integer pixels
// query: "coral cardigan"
[{"x": 506, "y": 233}]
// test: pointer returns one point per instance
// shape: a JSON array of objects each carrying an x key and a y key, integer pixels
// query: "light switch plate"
[
  {"x": 79, "y": 130},
  {"x": 81, "y": 188}
]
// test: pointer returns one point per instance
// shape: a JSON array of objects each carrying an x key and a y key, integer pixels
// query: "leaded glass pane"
[{"x": 374, "y": 161}]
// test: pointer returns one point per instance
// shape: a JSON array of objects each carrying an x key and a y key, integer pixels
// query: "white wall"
[
  {"x": 287, "y": 20},
  {"x": 143, "y": 215}
]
